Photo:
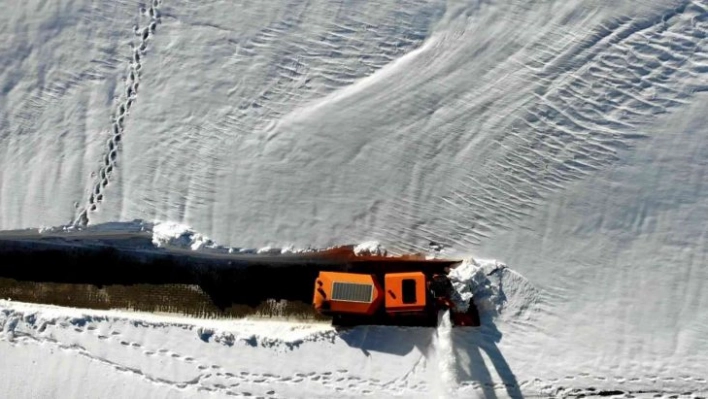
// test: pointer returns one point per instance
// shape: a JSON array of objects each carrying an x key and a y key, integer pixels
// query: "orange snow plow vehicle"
[{"x": 390, "y": 291}]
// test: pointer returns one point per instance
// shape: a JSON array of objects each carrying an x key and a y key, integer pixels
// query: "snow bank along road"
[{"x": 122, "y": 269}]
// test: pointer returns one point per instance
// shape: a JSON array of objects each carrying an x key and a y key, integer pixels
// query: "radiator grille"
[{"x": 350, "y": 292}]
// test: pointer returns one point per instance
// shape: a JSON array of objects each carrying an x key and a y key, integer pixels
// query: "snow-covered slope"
[
  {"x": 567, "y": 138},
  {"x": 320, "y": 123}
]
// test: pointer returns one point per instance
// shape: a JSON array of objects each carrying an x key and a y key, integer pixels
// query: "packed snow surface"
[{"x": 567, "y": 138}]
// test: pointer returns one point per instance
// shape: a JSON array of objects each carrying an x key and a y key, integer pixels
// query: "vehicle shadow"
[
  {"x": 471, "y": 368},
  {"x": 387, "y": 339},
  {"x": 470, "y": 345},
  {"x": 476, "y": 362}
]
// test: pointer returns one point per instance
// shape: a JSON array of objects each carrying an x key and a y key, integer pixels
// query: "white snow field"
[{"x": 569, "y": 139}]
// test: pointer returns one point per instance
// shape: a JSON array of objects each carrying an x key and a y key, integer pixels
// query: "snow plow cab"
[{"x": 409, "y": 298}]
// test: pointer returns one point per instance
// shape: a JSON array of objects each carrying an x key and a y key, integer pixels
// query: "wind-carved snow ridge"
[
  {"x": 301, "y": 68},
  {"x": 125, "y": 102},
  {"x": 592, "y": 99}
]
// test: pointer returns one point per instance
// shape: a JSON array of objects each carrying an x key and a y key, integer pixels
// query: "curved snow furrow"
[
  {"x": 126, "y": 101},
  {"x": 166, "y": 162},
  {"x": 628, "y": 73},
  {"x": 301, "y": 68}
]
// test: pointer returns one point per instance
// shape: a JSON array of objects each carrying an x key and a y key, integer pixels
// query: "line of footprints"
[
  {"x": 215, "y": 378},
  {"x": 126, "y": 101}
]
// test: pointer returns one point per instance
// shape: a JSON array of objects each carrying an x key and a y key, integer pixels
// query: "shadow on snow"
[{"x": 476, "y": 357}]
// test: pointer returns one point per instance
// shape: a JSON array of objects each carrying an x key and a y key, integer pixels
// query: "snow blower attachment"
[{"x": 411, "y": 298}]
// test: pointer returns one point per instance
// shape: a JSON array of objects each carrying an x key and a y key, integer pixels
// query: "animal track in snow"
[{"x": 126, "y": 101}]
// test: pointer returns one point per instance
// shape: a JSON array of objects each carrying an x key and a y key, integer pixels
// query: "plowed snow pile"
[{"x": 495, "y": 289}]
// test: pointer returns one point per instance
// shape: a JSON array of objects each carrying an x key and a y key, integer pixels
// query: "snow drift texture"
[{"x": 567, "y": 138}]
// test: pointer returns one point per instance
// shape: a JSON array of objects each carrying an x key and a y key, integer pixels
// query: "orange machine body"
[
  {"x": 352, "y": 293},
  {"x": 405, "y": 292},
  {"x": 357, "y": 293}
]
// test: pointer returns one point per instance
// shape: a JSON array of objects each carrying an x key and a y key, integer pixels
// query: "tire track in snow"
[
  {"x": 628, "y": 72},
  {"x": 125, "y": 103}
]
